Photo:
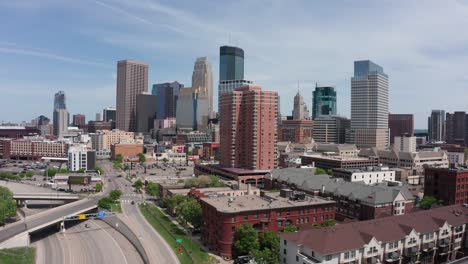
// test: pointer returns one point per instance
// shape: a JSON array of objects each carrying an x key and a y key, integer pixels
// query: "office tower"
[
  {"x": 298, "y": 111},
  {"x": 168, "y": 95},
  {"x": 42, "y": 120},
  {"x": 399, "y": 125},
  {"x": 108, "y": 114},
  {"x": 132, "y": 79},
  {"x": 436, "y": 126},
  {"x": 456, "y": 128},
  {"x": 369, "y": 106},
  {"x": 98, "y": 117},
  {"x": 331, "y": 129},
  {"x": 231, "y": 63},
  {"x": 405, "y": 143},
  {"x": 202, "y": 84},
  {"x": 146, "y": 112},
  {"x": 60, "y": 114},
  {"x": 60, "y": 122},
  {"x": 185, "y": 109},
  {"x": 79, "y": 120},
  {"x": 323, "y": 100},
  {"x": 248, "y": 128}
]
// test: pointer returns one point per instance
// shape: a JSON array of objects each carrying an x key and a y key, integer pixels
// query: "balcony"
[
  {"x": 444, "y": 242},
  {"x": 308, "y": 259},
  {"x": 442, "y": 251},
  {"x": 393, "y": 257},
  {"x": 428, "y": 247},
  {"x": 372, "y": 260},
  {"x": 372, "y": 252},
  {"x": 412, "y": 251}
]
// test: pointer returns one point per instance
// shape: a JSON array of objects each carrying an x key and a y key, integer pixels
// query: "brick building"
[
  {"x": 248, "y": 132},
  {"x": 296, "y": 131},
  {"x": 400, "y": 124},
  {"x": 271, "y": 212},
  {"x": 447, "y": 184},
  {"x": 343, "y": 162},
  {"x": 211, "y": 151},
  {"x": 33, "y": 149},
  {"x": 253, "y": 177},
  {"x": 18, "y": 131}
]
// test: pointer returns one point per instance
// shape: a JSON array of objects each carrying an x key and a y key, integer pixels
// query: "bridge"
[{"x": 45, "y": 196}]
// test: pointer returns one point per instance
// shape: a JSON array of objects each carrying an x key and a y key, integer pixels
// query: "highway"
[
  {"x": 156, "y": 248},
  {"x": 99, "y": 243}
]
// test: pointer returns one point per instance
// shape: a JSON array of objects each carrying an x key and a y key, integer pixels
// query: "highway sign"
[
  {"x": 101, "y": 214},
  {"x": 179, "y": 240},
  {"x": 81, "y": 216}
]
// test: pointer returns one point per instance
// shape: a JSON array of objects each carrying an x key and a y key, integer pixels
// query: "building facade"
[
  {"x": 331, "y": 129},
  {"x": 34, "y": 149},
  {"x": 79, "y": 120},
  {"x": 132, "y": 79},
  {"x": 81, "y": 158},
  {"x": 202, "y": 82},
  {"x": 185, "y": 109},
  {"x": 168, "y": 96},
  {"x": 456, "y": 128},
  {"x": 405, "y": 143},
  {"x": 399, "y": 125},
  {"x": 60, "y": 122},
  {"x": 369, "y": 106},
  {"x": 248, "y": 132},
  {"x": 145, "y": 112},
  {"x": 436, "y": 126},
  {"x": 369, "y": 175},
  {"x": 323, "y": 100},
  {"x": 447, "y": 184},
  {"x": 300, "y": 107},
  {"x": 296, "y": 131},
  {"x": 428, "y": 236},
  {"x": 331, "y": 162}
]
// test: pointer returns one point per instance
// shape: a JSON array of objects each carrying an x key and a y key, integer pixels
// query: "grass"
[
  {"x": 156, "y": 218},
  {"x": 19, "y": 255},
  {"x": 115, "y": 207}
]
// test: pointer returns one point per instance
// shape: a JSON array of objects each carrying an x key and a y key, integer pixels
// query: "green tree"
[
  {"x": 119, "y": 158},
  {"x": 330, "y": 222},
  {"x": 114, "y": 195},
  {"x": 98, "y": 187},
  {"x": 141, "y": 157},
  {"x": 98, "y": 168},
  {"x": 139, "y": 184},
  {"x": 105, "y": 203},
  {"x": 126, "y": 167},
  {"x": 82, "y": 170},
  {"x": 266, "y": 256},
  {"x": 29, "y": 174},
  {"x": 290, "y": 228},
  {"x": 152, "y": 189},
  {"x": 245, "y": 240},
  {"x": 7, "y": 205},
  {"x": 319, "y": 171},
  {"x": 427, "y": 202},
  {"x": 190, "y": 211}
]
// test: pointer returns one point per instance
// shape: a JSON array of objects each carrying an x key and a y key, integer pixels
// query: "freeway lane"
[{"x": 99, "y": 243}]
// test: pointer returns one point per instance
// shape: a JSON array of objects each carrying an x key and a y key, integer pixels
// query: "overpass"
[{"x": 45, "y": 196}]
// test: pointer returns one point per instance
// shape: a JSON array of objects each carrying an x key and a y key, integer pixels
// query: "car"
[{"x": 133, "y": 202}]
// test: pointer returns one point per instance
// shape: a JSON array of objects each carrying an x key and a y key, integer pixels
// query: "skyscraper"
[
  {"x": 456, "y": 128},
  {"x": 132, "y": 79},
  {"x": 146, "y": 112},
  {"x": 399, "y": 125},
  {"x": 202, "y": 85},
  {"x": 79, "y": 120},
  {"x": 436, "y": 126},
  {"x": 231, "y": 63},
  {"x": 369, "y": 106},
  {"x": 167, "y": 97},
  {"x": 248, "y": 128},
  {"x": 330, "y": 129},
  {"x": 108, "y": 114},
  {"x": 185, "y": 109},
  {"x": 323, "y": 100},
  {"x": 298, "y": 111},
  {"x": 60, "y": 115}
]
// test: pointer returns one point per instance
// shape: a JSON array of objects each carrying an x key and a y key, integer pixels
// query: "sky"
[{"x": 52, "y": 45}]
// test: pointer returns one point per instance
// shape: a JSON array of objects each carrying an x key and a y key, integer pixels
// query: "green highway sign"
[{"x": 179, "y": 240}]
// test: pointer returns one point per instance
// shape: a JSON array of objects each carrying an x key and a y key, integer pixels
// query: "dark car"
[{"x": 133, "y": 202}]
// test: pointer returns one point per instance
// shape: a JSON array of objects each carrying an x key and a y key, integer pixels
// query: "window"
[
  {"x": 256, "y": 216},
  {"x": 429, "y": 236},
  {"x": 297, "y": 258},
  {"x": 350, "y": 254},
  {"x": 412, "y": 241},
  {"x": 233, "y": 228},
  {"x": 246, "y": 217},
  {"x": 233, "y": 219},
  {"x": 284, "y": 251},
  {"x": 285, "y": 242},
  {"x": 445, "y": 232},
  {"x": 328, "y": 257},
  {"x": 393, "y": 244}
]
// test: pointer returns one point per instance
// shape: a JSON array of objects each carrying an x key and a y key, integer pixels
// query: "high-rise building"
[
  {"x": 231, "y": 85},
  {"x": 369, "y": 106},
  {"x": 202, "y": 85},
  {"x": 146, "y": 112},
  {"x": 436, "y": 126},
  {"x": 168, "y": 95},
  {"x": 248, "y": 128},
  {"x": 185, "y": 109},
  {"x": 405, "y": 143},
  {"x": 299, "y": 107},
  {"x": 59, "y": 100},
  {"x": 79, "y": 120},
  {"x": 323, "y": 100},
  {"x": 456, "y": 128},
  {"x": 80, "y": 158},
  {"x": 98, "y": 117},
  {"x": 231, "y": 63},
  {"x": 331, "y": 129},
  {"x": 399, "y": 125},
  {"x": 108, "y": 114},
  {"x": 42, "y": 120},
  {"x": 132, "y": 79},
  {"x": 296, "y": 131},
  {"x": 60, "y": 122}
]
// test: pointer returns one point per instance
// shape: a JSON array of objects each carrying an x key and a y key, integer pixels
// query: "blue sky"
[{"x": 69, "y": 45}]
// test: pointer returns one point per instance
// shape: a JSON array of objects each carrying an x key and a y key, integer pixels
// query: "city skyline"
[{"x": 410, "y": 57}]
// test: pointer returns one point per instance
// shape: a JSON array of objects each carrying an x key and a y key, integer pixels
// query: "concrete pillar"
[{"x": 62, "y": 227}]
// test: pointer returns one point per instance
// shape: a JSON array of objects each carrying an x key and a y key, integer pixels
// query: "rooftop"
[
  {"x": 355, "y": 235},
  {"x": 229, "y": 204},
  {"x": 337, "y": 158}
]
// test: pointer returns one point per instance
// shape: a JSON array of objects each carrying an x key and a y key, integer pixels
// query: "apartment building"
[
  {"x": 429, "y": 236},
  {"x": 447, "y": 184},
  {"x": 34, "y": 149}
]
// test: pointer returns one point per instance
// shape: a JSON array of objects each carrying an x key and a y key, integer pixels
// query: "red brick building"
[
  {"x": 248, "y": 132},
  {"x": 272, "y": 212},
  {"x": 447, "y": 184},
  {"x": 296, "y": 131},
  {"x": 211, "y": 150},
  {"x": 400, "y": 124}
]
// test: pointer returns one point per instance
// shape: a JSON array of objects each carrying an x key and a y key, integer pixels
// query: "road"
[
  {"x": 156, "y": 248},
  {"x": 99, "y": 243}
]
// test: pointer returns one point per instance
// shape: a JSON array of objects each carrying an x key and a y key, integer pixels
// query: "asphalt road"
[
  {"x": 99, "y": 243},
  {"x": 156, "y": 248}
]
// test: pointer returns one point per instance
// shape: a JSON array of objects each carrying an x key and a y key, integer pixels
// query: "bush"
[
  {"x": 7, "y": 204},
  {"x": 152, "y": 189},
  {"x": 105, "y": 203},
  {"x": 115, "y": 195},
  {"x": 98, "y": 187}
]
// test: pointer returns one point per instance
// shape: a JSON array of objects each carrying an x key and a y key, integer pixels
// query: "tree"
[
  {"x": 245, "y": 240},
  {"x": 119, "y": 158},
  {"x": 152, "y": 189},
  {"x": 141, "y": 157},
  {"x": 98, "y": 187},
  {"x": 190, "y": 211},
  {"x": 266, "y": 256},
  {"x": 330, "y": 222},
  {"x": 105, "y": 203},
  {"x": 173, "y": 201},
  {"x": 427, "y": 202},
  {"x": 82, "y": 170},
  {"x": 290, "y": 228},
  {"x": 139, "y": 184},
  {"x": 99, "y": 169},
  {"x": 7, "y": 205},
  {"x": 114, "y": 195},
  {"x": 319, "y": 171},
  {"x": 126, "y": 167}
]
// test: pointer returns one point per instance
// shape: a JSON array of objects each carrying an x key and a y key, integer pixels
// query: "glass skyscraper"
[
  {"x": 231, "y": 63},
  {"x": 167, "y": 97},
  {"x": 324, "y": 100}
]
